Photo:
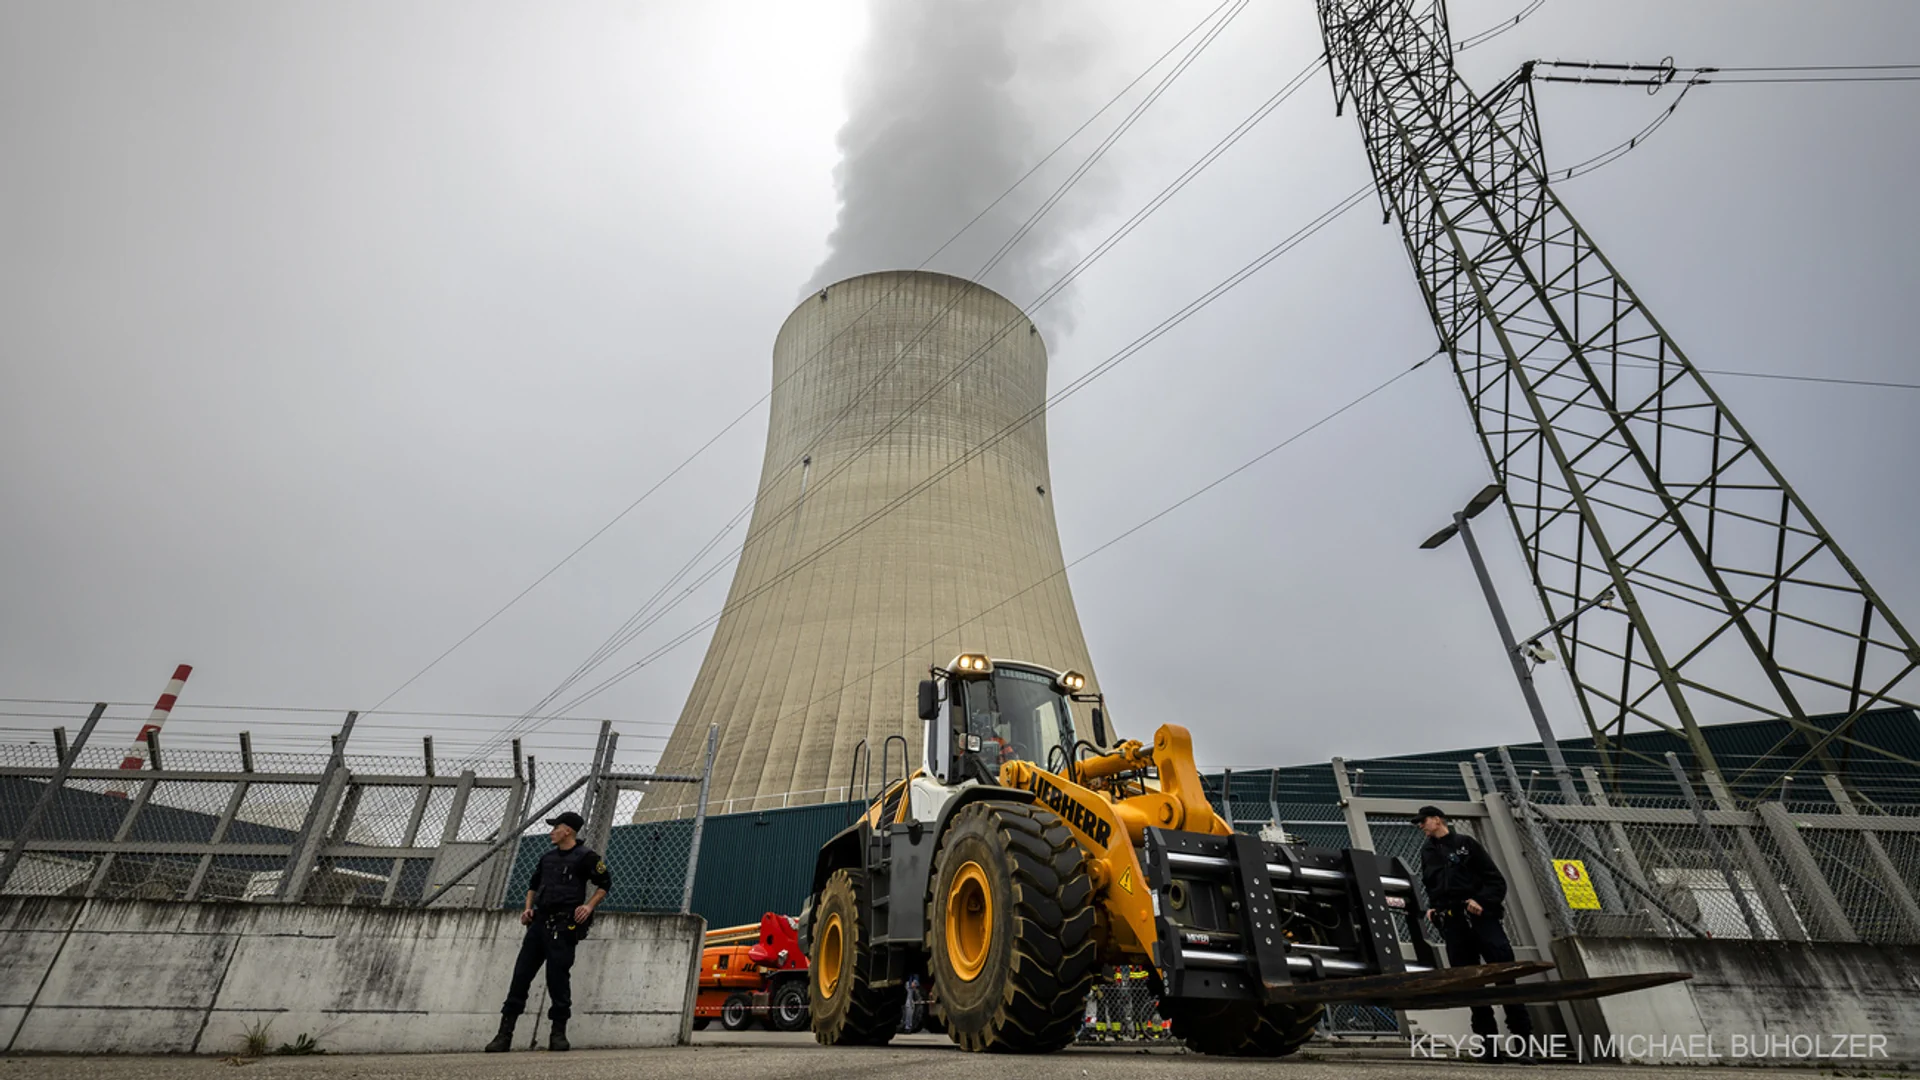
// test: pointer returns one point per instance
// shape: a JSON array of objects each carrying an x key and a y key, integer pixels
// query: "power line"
[
  {"x": 1496, "y": 30},
  {"x": 638, "y": 622},
  {"x": 1828, "y": 67},
  {"x": 633, "y": 629},
  {"x": 730, "y": 425},
  {"x": 1193, "y": 307},
  {"x": 1814, "y": 79},
  {"x": 1226, "y": 143},
  {"x": 296, "y": 709},
  {"x": 1833, "y": 379},
  {"x": 635, "y": 625},
  {"x": 1130, "y": 531},
  {"x": 1654, "y": 76}
]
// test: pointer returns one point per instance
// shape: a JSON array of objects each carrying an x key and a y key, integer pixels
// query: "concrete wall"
[
  {"x": 79, "y": 976},
  {"x": 1747, "y": 991}
]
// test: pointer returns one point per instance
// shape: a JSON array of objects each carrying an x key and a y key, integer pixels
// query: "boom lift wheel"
[
  {"x": 736, "y": 1013},
  {"x": 846, "y": 1009},
  {"x": 788, "y": 1011},
  {"x": 1011, "y": 914}
]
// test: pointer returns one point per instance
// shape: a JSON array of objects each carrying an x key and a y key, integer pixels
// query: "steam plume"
[{"x": 944, "y": 101}]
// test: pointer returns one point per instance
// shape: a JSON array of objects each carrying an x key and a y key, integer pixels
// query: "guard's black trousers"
[
  {"x": 1480, "y": 940},
  {"x": 550, "y": 944}
]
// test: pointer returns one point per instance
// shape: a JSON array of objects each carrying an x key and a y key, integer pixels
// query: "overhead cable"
[
  {"x": 751, "y": 409},
  {"x": 633, "y": 628}
]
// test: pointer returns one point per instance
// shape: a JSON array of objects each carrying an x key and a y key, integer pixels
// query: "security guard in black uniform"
[
  {"x": 557, "y": 915},
  {"x": 1466, "y": 895}
]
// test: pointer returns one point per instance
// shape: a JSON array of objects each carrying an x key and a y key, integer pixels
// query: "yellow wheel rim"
[
  {"x": 969, "y": 921},
  {"x": 832, "y": 944}
]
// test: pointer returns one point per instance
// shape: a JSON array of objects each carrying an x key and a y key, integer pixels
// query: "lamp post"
[{"x": 1515, "y": 651}]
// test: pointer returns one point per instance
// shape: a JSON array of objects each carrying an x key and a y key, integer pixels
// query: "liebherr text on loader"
[{"x": 1022, "y": 857}]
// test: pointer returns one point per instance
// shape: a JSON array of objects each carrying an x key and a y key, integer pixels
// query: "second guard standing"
[{"x": 1466, "y": 896}]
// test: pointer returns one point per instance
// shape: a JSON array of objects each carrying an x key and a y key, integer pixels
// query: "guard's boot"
[
  {"x": 503, "y": 1039},
  {"x": 557, "y": 1040}
]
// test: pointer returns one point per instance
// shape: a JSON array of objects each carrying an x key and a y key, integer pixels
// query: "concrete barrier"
[
  {"x": 1754, "y": 1002},
  {"x": 112, "y": 976}
]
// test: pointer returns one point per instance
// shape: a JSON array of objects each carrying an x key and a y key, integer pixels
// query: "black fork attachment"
[{"x": 1239, "y": 918}]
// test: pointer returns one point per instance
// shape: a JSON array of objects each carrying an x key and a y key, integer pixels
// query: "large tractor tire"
[
  {"x": 1241, "y": 1028},
  {"x": 1012, "y": 919},
  {"x": 845, "y": 1009}
]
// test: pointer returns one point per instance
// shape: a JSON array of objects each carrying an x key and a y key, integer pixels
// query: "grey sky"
[{"x": 326, "y": 328}]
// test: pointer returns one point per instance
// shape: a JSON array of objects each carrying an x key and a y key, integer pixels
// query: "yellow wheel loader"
[{"x": 1023, "y": 856}]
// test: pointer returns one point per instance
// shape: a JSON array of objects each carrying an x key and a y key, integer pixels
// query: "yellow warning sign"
[
  {"x": 1126, "y": 880},
  {"x": 1576, "y": 885}
]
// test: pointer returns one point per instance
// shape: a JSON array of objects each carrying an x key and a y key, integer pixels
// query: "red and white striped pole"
[{"x": 161, "y": 710}]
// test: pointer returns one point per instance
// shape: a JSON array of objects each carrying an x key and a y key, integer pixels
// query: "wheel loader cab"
[{"x": 996, "y": 713}]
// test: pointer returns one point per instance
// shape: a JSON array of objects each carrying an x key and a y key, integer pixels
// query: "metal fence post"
[
  {"x": 1786, "y": 920},
  {"x": 457, "y": 810},
  {"x": 605, "y": 800},
  {"x": 45, "y": 802},
  {"x": 1556, "y": 904},
  {"x": 596, "y": 788},
  {"x": 699, "y": 820},
  {"x": 1359, "y": 833},
  {"x": 1622, "y": 844},
  {"x": 493, "y": 883},
  {"x": 1831, "y": 918},
  {"x": 235, "y": 799},
  {"x": 1892, "y": 882},
  {"x": 327, "y": 792},
  {"x": 125, "y": 829},
  {"x": 408, "y": 838},
  {"x": 1719, "y": 853},
  {"x": 1536, "y": 915}
]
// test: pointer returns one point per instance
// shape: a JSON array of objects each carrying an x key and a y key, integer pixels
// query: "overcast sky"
[{"x": 325, "y": 328}]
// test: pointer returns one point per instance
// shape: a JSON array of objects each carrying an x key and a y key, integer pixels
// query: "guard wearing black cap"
[
  {"x": 557, "y": 915},
  {"x": 1466, "y": 895}
]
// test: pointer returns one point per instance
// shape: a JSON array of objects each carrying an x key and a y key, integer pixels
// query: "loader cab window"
[{"x": 1014, "y": 715}]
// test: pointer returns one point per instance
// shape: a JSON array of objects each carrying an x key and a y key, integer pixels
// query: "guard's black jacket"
[
  {"x": 560, "y": 878},
  {"x": 1456, "y": 869}
]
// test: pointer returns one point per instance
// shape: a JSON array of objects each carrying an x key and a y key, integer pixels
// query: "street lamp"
[{"x": 1517, "y": 652}]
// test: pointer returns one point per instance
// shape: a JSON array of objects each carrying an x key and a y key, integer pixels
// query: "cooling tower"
[{"x": 904, "y": 514}]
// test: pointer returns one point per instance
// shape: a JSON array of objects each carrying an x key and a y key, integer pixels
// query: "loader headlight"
[
  {"x": 971, "y": 665},
  {"x": 1072, "y": 682}
]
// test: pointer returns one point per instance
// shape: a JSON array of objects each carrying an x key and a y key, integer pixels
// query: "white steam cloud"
[{"x": 949, "y": 104}]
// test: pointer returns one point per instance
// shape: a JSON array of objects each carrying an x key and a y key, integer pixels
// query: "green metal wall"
[{"x": 751, "y": 864}]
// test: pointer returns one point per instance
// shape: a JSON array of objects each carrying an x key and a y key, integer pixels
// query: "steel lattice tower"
[{"x": 1696, "y": 584}]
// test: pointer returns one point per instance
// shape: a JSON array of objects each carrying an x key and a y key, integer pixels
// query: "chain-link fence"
[
  {"x": 1669, "y": 853},
  {"x": 335, "y": 828},
  {"x": 1123, "y": 1008}
]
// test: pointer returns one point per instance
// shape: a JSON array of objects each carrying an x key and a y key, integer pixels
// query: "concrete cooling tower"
[{"x": 878, "y": 546}]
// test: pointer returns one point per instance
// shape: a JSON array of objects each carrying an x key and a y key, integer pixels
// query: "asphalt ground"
[{"x": 757, "y": 1055}]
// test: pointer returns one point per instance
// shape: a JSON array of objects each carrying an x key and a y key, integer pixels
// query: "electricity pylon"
[{"x": 1686, "y": 579}]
